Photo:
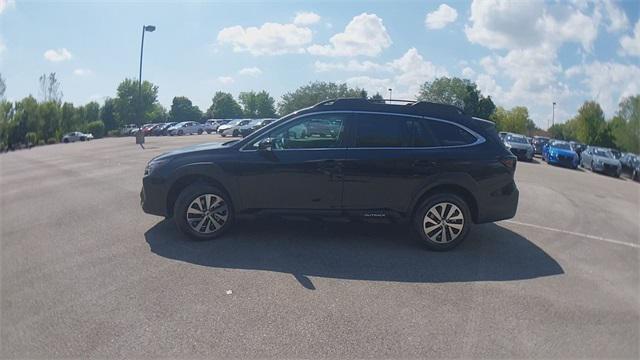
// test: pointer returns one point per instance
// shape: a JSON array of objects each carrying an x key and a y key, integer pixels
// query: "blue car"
[{"x": 560, "y": 153}]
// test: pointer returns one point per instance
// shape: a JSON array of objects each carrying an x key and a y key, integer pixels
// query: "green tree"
[
  {"x": 183, "y": 110},
  {"x": 224, "y": 106},
  {"x": 50, "y": 88},
  {"x": 459, "y": 92},
  {"x": 515, "y": 120},
  {"x": 50, "y": 118},
  {"x": 92, "y": 112},
  {"x": 376, "y": 97},
  {"x": 108, "y": 114},
  {"x": 590, "y": 124},
  {"x": 3, "y": 86},
  {"x": 67, "y": 119},
  {"x": 314, "y": 93},
  {"x": 257, "y": 104},
  {"x": 158, "y": 114},
  {"x": 625, "y": 126},
  {"x": 130, "y": 108}
]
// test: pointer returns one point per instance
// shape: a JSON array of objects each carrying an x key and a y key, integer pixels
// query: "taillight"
[{"x": 509, "y": 162}]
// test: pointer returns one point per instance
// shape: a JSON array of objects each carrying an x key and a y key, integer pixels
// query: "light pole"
[
  {"x": 553, "y": 114},
  {"x": 145, "y": 28},
  {"x": 390, "y": 91}
]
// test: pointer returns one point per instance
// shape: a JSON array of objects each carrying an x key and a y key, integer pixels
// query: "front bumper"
[
  {"x": 522, "y": 154},
  {"x": 563, "y": 160},
  {"x": 607, "y": 169},
  {"x": 153, "y": 196}
]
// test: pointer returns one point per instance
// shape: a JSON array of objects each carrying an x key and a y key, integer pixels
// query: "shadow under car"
[{"x": 357, "y": 251}]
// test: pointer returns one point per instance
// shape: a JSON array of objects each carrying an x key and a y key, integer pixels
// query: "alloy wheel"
[
  {"x": 207, "y": 213},
  {"x": 443, "y": 222}
]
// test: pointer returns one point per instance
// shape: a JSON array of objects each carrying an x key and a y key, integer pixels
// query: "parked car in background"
[
  {"x": 538, "y": 144},
  {"x": 427, "y": 164},
  {"x": 128, "y": 129},
  {"x": 616, "y": 153},
  {"x": 149, "y": 129},
  {"x": 161, "y": 129},
  {"x": 212, "y": 125},
  {"x": 186, "y": 128},
  {"x": 561, "y": 153},
  {"x": 519, "y": 146},
  {"x": 629, "y": 163},
  {"x": 232, "y": 128},
  {"x": 76, "y": 136},
  {"x": 600, "y": 160},
  {"x": 502, "y": 134},
  {"x": 578, "y": 147},
  {"x": 257, "y": 124}
]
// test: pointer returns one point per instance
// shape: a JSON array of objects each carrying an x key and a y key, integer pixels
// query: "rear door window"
[{"x": 379, "y": 131}]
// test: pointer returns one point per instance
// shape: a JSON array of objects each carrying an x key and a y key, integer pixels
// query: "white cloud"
[
  {"x": 7, "y": 4},
  {"x": 3, "y": 47},
  {"x": 57, "y": 55},
  {"x": 608, "y": 82},
  {"x": 616, "y": 18},
  {"x": 250, "y": 71},
  {"x": 364, "y": 35},
  {"x": 351, "y": 65},
  {"x": 468, "y": 73},
  {"x": 409, "y": 72},
  {"x": 630, "y": 45},
  {"x": 82, "y": 72},
  {"x": 226, "y": 80},
  {"x": 306, "y": 18},
  {"x": 269, "y": 39},
  {"x": 504, "y": 24},
  {"x": 438, "y": 19}
]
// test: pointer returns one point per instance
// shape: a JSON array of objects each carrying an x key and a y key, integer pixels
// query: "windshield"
[
  {"x": 517, "y": 139},
  {"x": 602, "y": 153},
  {"x": 561, "y": 145}
]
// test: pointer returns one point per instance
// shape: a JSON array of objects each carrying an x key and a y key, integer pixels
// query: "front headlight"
[{"x": 153, "y": 165}]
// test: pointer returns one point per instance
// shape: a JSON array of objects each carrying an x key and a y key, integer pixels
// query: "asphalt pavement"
[{"x": 84, "y": 273}]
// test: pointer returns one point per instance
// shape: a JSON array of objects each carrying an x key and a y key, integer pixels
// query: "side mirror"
[{"x": 265, "y": 144}]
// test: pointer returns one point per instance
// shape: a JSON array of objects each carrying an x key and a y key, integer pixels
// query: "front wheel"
[
  {"x": 443, "y": 221},
  {"x": 180, "y": 132},
  {"x": 203, "y": 212},
  {"x": 200, "y": 131}
]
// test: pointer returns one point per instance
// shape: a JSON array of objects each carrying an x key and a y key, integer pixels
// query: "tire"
[
  {"x": 425, "y": 216},
  {"x": 200, "y": 131},
  {"x": 66, "y": 141},
  {"x": 223, "y": 135},
  {"x": 83, "y": 139},
  {"x": 209, "y": 132},
  {"x": 180, "y": 132},
  {"x": 235, "y": 133},
  {"x": 191, "y": 198}
]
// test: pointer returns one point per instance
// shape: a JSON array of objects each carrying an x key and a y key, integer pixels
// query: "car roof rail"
[{"x": 401, "y": 106}]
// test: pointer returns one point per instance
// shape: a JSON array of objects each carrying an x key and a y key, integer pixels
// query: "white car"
[
  {"x": 76, "y": 136},
  {"x": 212, "y": 125},
  {"x": 186, "y": 128},
  {"x": 232, "y": 128}
]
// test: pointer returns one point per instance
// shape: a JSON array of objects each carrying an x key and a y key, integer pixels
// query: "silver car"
[
  {"x": 76, "y": 136},
  {"x": 186, "y": 128},
  {"x": 233, "y": 127},
  {"x": 600, "y": 160},
  {"x": 519, "y": 146}
]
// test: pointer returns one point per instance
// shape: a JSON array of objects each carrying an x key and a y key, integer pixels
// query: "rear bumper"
[
  {"x": 153, "y": 197},
  {"x": 501, "y": 204}
]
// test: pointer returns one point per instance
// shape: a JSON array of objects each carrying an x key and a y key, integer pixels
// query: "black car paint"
[{"x": 344, "y": 180}]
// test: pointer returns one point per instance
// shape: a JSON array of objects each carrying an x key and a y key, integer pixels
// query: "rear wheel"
[
  {"x": 180, "y": 132},
  {"x": 443, "y": 221},
  {"x": 203, "y": 212},
  {"x": 200, "y": 131}
]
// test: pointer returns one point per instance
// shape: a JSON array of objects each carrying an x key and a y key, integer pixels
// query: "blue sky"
[{"x": 528, "y": 53}]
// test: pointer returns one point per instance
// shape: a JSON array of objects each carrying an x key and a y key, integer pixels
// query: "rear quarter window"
[{"x": 449, "y": 134}]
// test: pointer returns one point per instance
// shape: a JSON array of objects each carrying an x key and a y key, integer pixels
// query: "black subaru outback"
[{"x": 426, "y": 163}]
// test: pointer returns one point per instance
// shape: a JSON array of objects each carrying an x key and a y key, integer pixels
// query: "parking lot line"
[{"x": 593, "y": 237}]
